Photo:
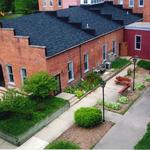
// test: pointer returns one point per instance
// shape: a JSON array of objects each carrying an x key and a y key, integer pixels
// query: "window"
[
  {"x": 51, "y": 3},
  {"x": 70, "y": 71},
  {"x": 104, "y": 52},
  {"x": 23, "y": 74},
  {"x": 85, "y": 1},
  {"x": 59, "y": 3},
  {"x": 141, "y": 3},
  {"x": 131, "y": 3},
  {"x": 86, "y": 63},
  {"x": 44, "y": 3},
  {"x": 114, "y": 47},
  {"x": 120, "y": 2},
  {"x": 138, "y": 42},
  {"x": 10, "y": 73}
]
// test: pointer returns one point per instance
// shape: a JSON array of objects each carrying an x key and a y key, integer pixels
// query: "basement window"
[
  {"x": 138, "y": 42},
  {"x": 70, "y": 72},
  {"x": 10, "y": 73}
]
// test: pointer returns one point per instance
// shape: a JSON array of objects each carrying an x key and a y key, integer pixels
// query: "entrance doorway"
[
  {"x": 57, "y": 77},
  {"x": 2, "y": 81}
]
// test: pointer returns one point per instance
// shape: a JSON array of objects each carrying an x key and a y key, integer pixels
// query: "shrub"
[
  {"x": 41, "y": 107},
  {"x": 139, "y": 86},
  {"x": 119, "y": 63},
  {"x": 129, "y": 71},
  {"x": 147, "y": 78},
  {"x": 110, "y": 105},
  {"x": 87, "y": 117},
  {"x": 123, "y": 100},
  {"x": 79, "y": 93},
  {"x": 61, "y": 144},
  {"x": 40, "y": 85},
  {"x": 144, "y": 64}
]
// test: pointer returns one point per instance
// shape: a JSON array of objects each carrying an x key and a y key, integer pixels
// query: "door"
[
  {"x": 2, "y": 82},
  {"x": 57, "y": 77}
]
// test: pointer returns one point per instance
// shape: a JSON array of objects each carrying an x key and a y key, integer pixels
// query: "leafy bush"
[
  {"x": 144, "y": 64},
  {"x": 123, "y": 100},
  {"x": 41, "y": 107},
  {"x": 61, "y": 144},
  {"x": 119, "y": 63},
  {"x": 147, "y": 78},
  {"x": 40, "y": 85},
  {"x": 129, "y": 72},
  {"x": 139, "y": 86},
  {"x": 87, "y": 117},
  {"x": 79, "y": 93},
  {"x": 110, "y": 105}
]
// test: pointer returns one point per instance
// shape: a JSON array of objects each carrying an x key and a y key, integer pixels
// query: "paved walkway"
[
  {"x": 127, "y": 132},
  {"x": 62, "y": 123}
]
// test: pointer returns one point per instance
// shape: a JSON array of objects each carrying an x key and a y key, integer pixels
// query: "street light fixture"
[
  {"x": 103, "y": 83},
  {"x": 134, "y": 63}
]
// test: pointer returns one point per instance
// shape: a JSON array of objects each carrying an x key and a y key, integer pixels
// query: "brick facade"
[
  {"x": 65, "y": 4},
  {"x": 138, "y": 9},
  {"x": 16, "y": 51}
]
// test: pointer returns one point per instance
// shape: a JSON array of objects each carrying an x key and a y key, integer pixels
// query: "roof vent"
[{"x": 127, "y": 13}]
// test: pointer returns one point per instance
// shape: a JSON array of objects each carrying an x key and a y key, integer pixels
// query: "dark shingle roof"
[{"x": 51, "y": 30}]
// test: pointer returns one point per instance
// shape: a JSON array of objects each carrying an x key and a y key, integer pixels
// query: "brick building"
[
  {"x": 138, "y": 6},
  {"x": 66, "y": 43},
  {"x": 45, "y": 5}
]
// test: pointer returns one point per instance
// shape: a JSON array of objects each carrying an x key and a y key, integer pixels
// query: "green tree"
[
  {"x": 25, "y": 6},
  {"x": 40, "y": 85},
  {"x": 6, "y": 5}
]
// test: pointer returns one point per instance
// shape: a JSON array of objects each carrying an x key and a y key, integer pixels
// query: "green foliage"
[
  {"x": 40, "y": 85},
  {"x": 87, "y": 117},
  {"x": 123, "y": 100},
  {"x": 144, "y": 64},
  {"x": 129, "y": 72},
  {"x": 119, "y": 63},
  {"x": 62, "y": 144},
  {"x": 139, "y": 86},
  {"x": 110, "y": 105},
  {"x": 6, "y": 5},
  {"x": 25, "y": 6},
  {"x": 28, "y": 114},
  {"x": 147, "y": 79},
  {"x": 92, "y": 80},
  {"x": 144, "y": 143}
]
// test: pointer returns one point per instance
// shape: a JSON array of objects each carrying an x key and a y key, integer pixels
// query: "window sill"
[
  {"x": 137, "y": 49},
  {"x": 11, "y": 84},
  {"x": 70, "y": 80},
  {"x": 85, "y": 71}
]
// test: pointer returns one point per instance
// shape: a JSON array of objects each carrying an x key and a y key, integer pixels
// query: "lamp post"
[
  {"x": 134, "y": 63},
  {"x": 103, "y": 83}
]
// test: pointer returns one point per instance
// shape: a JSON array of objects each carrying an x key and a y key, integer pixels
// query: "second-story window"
[
  {"x": 10, "y": 73},
  {"x": 141, "y": 3},
  {"x": 120, "y": 2},
  {"x": 59, "y": 3},
  {"x": 85, "y": 1},
  {"x": 44, "y": 3},
  {"x": 51, "y": 3},
  {"x": 131, "y": 3}
]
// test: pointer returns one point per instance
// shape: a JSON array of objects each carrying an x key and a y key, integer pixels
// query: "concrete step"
[
  {"x": 74, "y": 101},
  {"x": 66, "y": 96}
]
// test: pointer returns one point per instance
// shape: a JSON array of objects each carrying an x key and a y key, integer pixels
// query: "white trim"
[
  {"x": 52, "y": 3},
  {"x": 105, "y": 52},
  {"x": 22, "y": 79},
  {"x": 87, "y": 63},
  {"x": 140, "y": 42},
  {"x": 131, "y": 6},
  {"x": 137, "y": 28},
  {"x": 45, "y": 1},
  {"x": 139, "y": 3},
  {"x": 59, "y": 5},
  {"x": 8, "y": 74},
  {"x": 70, "y": 80}
]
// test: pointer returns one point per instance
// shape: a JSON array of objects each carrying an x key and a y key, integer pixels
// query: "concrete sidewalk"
[{"x": 126, "y": 133}]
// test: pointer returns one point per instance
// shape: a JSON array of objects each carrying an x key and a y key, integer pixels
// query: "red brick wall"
[
  {"x": 17, "y": 52},
  {"x": 58, "y": 64}
]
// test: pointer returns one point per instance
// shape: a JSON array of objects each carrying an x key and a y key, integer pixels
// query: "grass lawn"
[
  {"x": 17, "y": 124},
  {"x": 119, "y": 63},
  {"x": 11, "y": 16},
  {"x": 144, "y": 143}
]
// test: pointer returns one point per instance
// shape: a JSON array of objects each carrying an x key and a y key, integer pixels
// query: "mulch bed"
[{"x": 86, "y": 138}]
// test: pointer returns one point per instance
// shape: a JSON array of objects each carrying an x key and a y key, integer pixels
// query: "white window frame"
[
  {"x": 114, "y": 47},
  {"x": 86, "y": 60},
  {"x": 120, "y": 2},
  {"x": 105, "y": 45},
  {"x": 21, "y": 73},
  {"x": 58, "y": 3},
  {"x": 8, "y": 74},
  {"x": 85, "y": 1},
  {"x": 136, "y": 42},
  {"x": 44, "y": 3},
  {"x": 130, "y": 3},
  {"x": 140, "y": 4},
  {"x": 72, "y": 71},
  {"x": 51, "y": 1}
]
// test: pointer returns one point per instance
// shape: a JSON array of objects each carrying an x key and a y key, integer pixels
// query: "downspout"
[{"x": 80, "y": 55}]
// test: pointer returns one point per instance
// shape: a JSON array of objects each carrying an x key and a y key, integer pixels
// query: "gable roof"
[{"x": 61, "y": 30}]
